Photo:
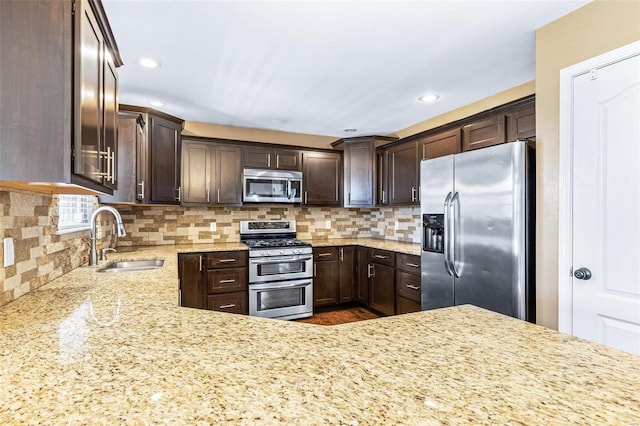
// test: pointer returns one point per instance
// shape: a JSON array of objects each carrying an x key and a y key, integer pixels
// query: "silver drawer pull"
[
  {"x": 230, "y": 305},
  {"x": 227, "y": 281},
  {"x": 413, "y": 265},
  {"x": 324, "y": 254},
  {"x": 413, "y": 287},
  {"x": 379, "y": 256},
  {"x": 226, "y": 260}
]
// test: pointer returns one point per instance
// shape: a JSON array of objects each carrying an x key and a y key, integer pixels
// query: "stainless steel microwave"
[{"x": 271, "y": 186}]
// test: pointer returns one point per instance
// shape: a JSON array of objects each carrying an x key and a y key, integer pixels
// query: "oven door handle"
[
  {"x": 280, "y": 259},
  {"x": 270, "y": 286}
]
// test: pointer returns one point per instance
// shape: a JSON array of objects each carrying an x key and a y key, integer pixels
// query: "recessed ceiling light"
[
  {"x": 350, "y": 130},
  {"x": 148, "y": 63},
  {"x": 432, "y": 97},
  {"x": 156, "y": 103}
]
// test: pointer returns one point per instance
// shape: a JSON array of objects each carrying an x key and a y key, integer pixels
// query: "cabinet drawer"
[
  {"x": 405, "y": 306},
  {"x": 227, "y": 259},
  {"x": 326, "y": 254},
  {"x": 383, "y": 257},
  {"x": 234, "y": 303},
  {"x": 408, "y": 285},
  {"x": 408, "y": 262},
  {"x": 226, "y": 280}
]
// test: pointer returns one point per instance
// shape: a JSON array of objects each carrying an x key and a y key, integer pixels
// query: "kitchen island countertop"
[{"x": 97, "y": 348}]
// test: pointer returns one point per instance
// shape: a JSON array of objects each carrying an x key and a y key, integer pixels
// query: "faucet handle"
[{"x": 104, "y": 252}]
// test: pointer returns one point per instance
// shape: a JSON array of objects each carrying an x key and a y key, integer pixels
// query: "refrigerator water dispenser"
[{"x": 433, "y": 233}]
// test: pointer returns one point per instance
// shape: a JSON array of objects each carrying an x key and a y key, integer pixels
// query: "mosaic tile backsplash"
[
  {"x": 41, "y": 255},
  {"x": 159, "y": 225}
]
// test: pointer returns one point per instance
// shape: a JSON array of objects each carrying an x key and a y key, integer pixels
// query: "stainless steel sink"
[{"x": 132, "y": 265}]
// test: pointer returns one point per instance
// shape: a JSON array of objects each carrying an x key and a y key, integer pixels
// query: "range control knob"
[{"x": 582, "y": 274}]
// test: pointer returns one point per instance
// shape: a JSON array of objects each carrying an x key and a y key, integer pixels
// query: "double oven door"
[{"x": 281, "y": 286}]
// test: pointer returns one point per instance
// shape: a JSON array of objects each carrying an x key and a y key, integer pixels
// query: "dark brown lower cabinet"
[
  {"x": 408, "y": 292},
  {"x": 382, "y": 288},
  {"x": 346, "y": 274},
  {"x": 215, "y": 281},
  {"x": 325, "y": 283},
  {"x": 362, "y": 279},
  {"x": 191, "y": 281}
]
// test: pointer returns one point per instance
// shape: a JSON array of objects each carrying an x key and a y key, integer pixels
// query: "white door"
[{"x": 605, "y": 208}]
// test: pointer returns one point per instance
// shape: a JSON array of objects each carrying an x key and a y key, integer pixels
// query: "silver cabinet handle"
[
  {"x": 371, "y": 272},
  {"x": 200, "y": 264},
  {"x": 341, "y": 254},
  {"x": 379, "y": 256},
  {"x": 413, "y": 265},
  {"x": 413, "y": 287},
  {"x": 230, "y": 305},
  {"x": 226, "y": 281},
  {"x": 384, "y": 197},
  {"x": 413, "y": 194},
  {"x": 324, "y": 254},
  {"x": 208, "y": 193},
  {"x": 141, "y": 194},
  {"x": 305, "y": 198},
  {"x": 226, "y": 260},
  {"x": 179, "y": 197},
  {"x": 315, "y": 270},
  {"x": 277, "y": 161},
  {"x": 269, "y": 161},
  {"x": 218, "y": 195}
]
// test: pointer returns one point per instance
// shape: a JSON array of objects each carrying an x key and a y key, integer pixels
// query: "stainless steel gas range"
[{"x": 280, "y": 270}]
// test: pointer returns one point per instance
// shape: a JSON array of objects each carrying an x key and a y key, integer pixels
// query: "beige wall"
[
  {"x": 194, "y": 128},
  {"x": 596, "y": 28}
]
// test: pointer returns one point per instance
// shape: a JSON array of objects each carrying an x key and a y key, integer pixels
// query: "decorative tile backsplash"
[
  {"x": 158, "y": 225},
  {"x": 31, "y": 219},
  {"x": 41, "y": 255}
]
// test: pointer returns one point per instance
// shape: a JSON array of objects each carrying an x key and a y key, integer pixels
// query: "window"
[{"x": 74, "y": 212}]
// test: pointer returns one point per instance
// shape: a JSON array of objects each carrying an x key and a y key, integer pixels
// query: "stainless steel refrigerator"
[{"x": 478, "y": 230}]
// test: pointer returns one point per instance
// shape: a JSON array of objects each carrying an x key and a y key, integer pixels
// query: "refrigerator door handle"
[
  {"x": 454, "y": 218},
  {"x": 447, "y": 231}
]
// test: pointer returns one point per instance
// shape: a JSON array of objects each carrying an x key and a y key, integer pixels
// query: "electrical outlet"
[
  {"x": 327, "y": 224},
  {"x": 212, "y": 226},
  {"x": 9, "y": 253}
]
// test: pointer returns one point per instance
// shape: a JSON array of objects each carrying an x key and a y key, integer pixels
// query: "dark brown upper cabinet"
[
  {"x": 59, "y": 88},
  {"x": 360, "y": 180},
  {"x": 271, "y": 158},
  {"x": 403, "y": 174},
  {"x": 521, "y": 124},
  {"x": 211, "y": 173},
  {"x": 487, "y": 132},
  {"x": 382, "y": 173},
  {"x": 440, "y": 144},
  {"x": 164, "y": 144},
  {"x": 322, "y": 178}
]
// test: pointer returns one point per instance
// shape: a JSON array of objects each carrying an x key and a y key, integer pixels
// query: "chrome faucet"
[{"x": 120, "y": 232}]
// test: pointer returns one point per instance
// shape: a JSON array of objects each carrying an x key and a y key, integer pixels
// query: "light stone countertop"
[
  {"x": 95, "y": 348},
  {"x": 407, "y": 248}
]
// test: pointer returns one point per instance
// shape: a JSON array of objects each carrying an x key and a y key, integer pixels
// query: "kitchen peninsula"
[{"x": 95, "y": 348}]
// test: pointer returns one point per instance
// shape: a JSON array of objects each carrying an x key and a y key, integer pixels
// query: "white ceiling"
[{"x": 320, "y": 67}]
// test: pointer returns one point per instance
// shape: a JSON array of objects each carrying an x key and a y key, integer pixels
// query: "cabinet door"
[
  {"x": 192, "y": 290},
  {"x": 490, "y": 131},
  {"x": 382, "y": 295},
  {"x": 89, "y": 68},
  {"x": 403, "y": 174},
  {"x": 258, "y": 158},
  {"x": 441, "y": 144},
  {"x": 406, "y": 306},
  {"x": 196, "y": 172},
  {"x": 164, "y": 161},
  {"x": 110, "y": 120},
  {"x": 228, "y": 175},
  {"x": 233, "y": 303},
  {"x": 521, "y": 124},
  {"x": 321, "y": 178},
  {"x": 359, "y": 179},
  {"x": 142, "y": 163},
  {"x": 362, "y": 278},
  {"x": 325, "y": 284},
  {"x": 287, "y": 159},
  {"x": 382, "y": 175},
  {"x": 129, "y": 130},
  {"x": 346, "y": 274}
]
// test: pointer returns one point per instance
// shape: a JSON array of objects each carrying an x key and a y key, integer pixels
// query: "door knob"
[{"x": 582, "y": 274}]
